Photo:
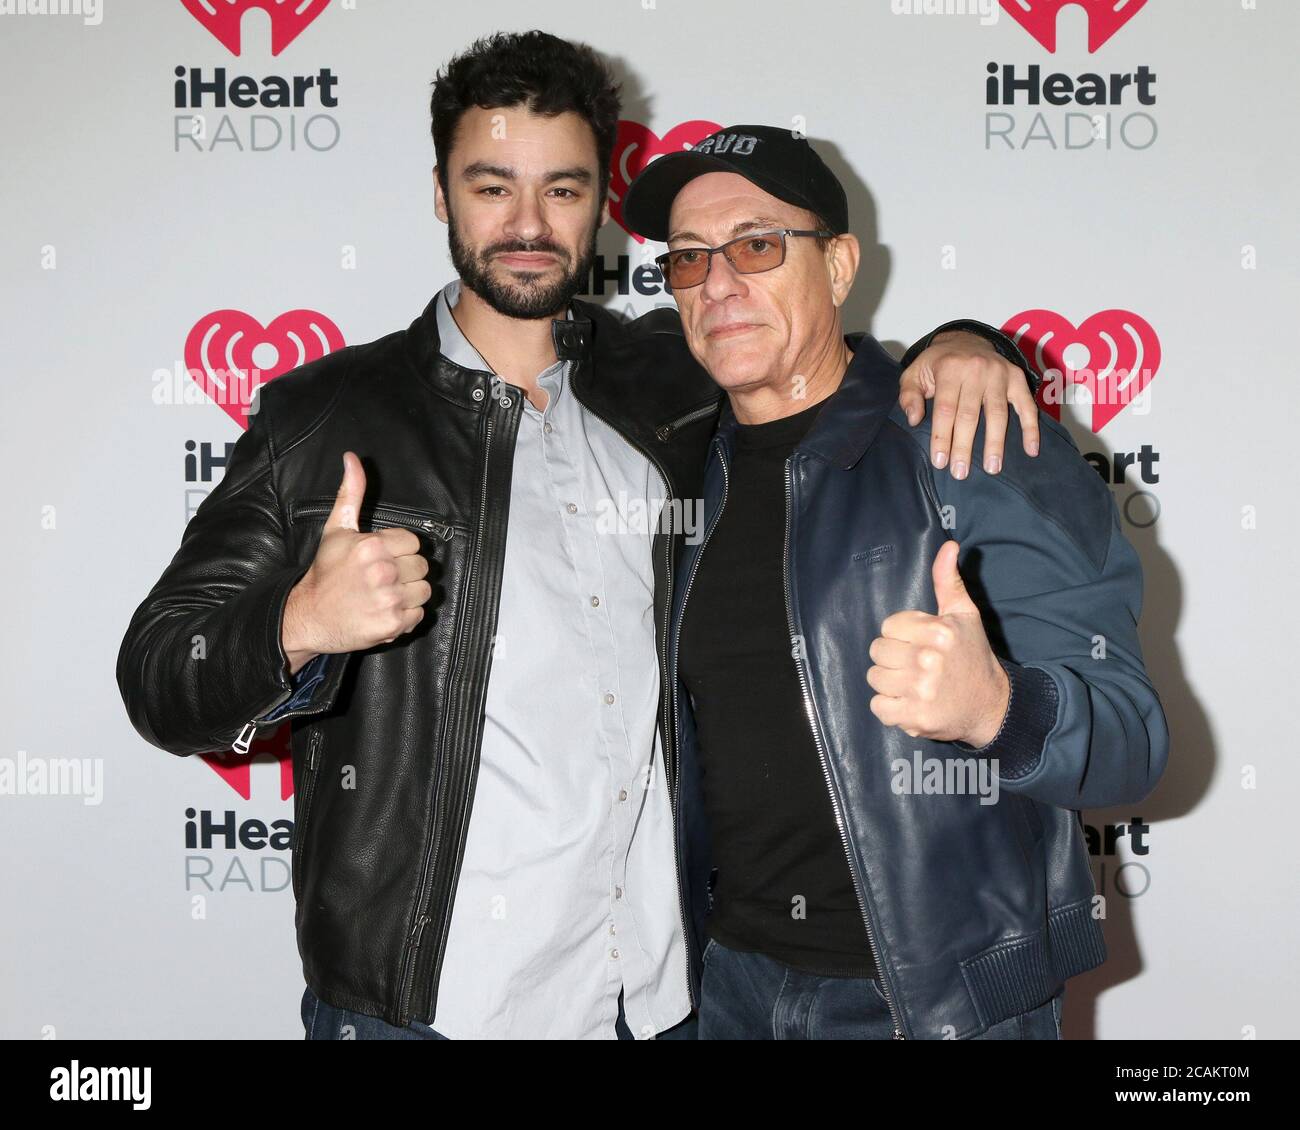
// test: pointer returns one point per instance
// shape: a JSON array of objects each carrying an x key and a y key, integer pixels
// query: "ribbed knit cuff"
[
  {"x": 1031, "y": 713},
  {"x": 1003, "y": 344}
]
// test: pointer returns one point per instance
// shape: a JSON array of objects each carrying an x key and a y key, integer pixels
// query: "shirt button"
[
  {"x": 572, "y": 508},
  {"x": 614, "y": 954},
  {"x": 595, "y": 602},
  {"x": 618, "y": 892},
  {"x": 609, "y": 700},
  {"x": 611, "y": 927},
  {"x": 622, "y": 794},
  {"x": 546, "y": 428}
]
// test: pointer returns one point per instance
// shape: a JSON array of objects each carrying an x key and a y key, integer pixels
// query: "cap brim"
[{"x": 650, "y": 196}]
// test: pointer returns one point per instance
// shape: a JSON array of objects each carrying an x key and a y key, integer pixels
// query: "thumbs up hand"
[
  {"x": 936, "y": 676},
  {"x": 361, "y": 589}
]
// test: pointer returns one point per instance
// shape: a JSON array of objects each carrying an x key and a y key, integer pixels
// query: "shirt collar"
[{"x": 458, "y": 349}]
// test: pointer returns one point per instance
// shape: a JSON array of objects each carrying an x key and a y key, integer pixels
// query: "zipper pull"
[
  {"x": 243, "y": 743},
  {"x": 420, "y": 924},
  {"x": 446, "y": 533}
]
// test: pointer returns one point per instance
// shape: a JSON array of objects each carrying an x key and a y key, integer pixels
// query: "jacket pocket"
[
  {"x": 379, "y": 515},
  {"x": 303, "y": 793},
  {"x": 440, "y": 540},
  {"x": 1028, "y": 826},
  {"x": 1033, "y": 822}
]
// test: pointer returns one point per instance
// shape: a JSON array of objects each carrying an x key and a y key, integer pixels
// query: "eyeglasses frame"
[{"x": 661, "y": 261}]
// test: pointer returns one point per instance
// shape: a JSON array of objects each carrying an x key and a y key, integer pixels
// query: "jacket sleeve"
[
  {"x": 202, "y": 656},
  {"x": 1003, "y": 344},
  {"x": 1044, "y": 556}
]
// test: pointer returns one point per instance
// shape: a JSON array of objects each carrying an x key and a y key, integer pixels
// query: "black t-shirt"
[{"x": 784, "y": 888}]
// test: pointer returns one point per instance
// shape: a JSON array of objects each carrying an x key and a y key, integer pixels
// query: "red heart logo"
[
  {"x": 1105, "y": 18},
  {"x": 222, "y": 18},
  {"x": 236, "y": 769},
  {"x": 219, "y": 353},
  {"x": 1114, "y": 355},
  {"x": 636, "y": 146}
]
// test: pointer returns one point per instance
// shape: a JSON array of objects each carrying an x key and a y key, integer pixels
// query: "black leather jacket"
[{"x": 375, "y": 867}]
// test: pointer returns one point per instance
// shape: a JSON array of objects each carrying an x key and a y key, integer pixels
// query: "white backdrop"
[{"x": 129, "y": 230}]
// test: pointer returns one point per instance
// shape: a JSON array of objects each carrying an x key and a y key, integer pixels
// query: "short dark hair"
[
  {"x": 820, "y": 224},
  {"x": 542, "y": 72}
]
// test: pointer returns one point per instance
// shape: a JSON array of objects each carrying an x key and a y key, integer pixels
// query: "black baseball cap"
[{"x": 776, "y": 159}]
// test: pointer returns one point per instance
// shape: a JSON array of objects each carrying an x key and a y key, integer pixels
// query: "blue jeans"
[
  {"x": 322, "y": 1021},
  {"x": 747, "y": 996}
]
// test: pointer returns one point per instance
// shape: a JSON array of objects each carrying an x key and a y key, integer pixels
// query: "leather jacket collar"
[
  {"x": 469, "y": 388},
  {"x": 852, "y": 415}
]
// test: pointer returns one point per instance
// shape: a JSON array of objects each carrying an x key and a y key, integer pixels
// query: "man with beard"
[{"x": 451, "y": 628}]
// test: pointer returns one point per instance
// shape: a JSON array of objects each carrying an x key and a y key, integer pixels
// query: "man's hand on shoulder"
[{"x": 966, "y": 375}]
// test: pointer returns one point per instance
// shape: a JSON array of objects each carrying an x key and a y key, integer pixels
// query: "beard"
[{"x": 523, "y": 294}]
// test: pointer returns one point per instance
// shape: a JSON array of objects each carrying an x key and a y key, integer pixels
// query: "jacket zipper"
[
  {"x": 810, "y": 710},
  {"x": 665, "y": 696},
  {"x": 664, "y": 432},
  {"x": 244, "y": 742},
  {"x": 398, "y": 515},
  {"x": 308, "y": 790},
  {"x": 423, "y": 918}
]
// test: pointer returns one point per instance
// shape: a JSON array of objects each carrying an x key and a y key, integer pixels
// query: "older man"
[{"x": 847, "y": 856}]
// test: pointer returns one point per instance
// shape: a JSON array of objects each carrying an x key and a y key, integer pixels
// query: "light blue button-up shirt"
[{"x": 568, "y": 891}]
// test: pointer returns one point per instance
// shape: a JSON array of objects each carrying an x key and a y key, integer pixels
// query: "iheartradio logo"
[
  {"x": 1105, "y": 18},
  {"x": 636, "y": 145},
  {"x": 1107, "y": 360},
  {"x": 222, "y": 18},
  {"x": 230, "y": 354}
]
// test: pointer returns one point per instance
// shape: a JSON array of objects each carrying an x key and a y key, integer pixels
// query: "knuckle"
[{"x": 382, "y": 572}]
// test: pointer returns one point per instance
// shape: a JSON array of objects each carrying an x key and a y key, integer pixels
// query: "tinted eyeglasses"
[{"x": 748, "y": 254}]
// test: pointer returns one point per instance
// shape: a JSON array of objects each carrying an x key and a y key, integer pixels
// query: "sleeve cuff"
[
  {"x": 1003, "y": 344},
  {"x": 1031, "y": 714},
  {"x": 304, "y": 684}
]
